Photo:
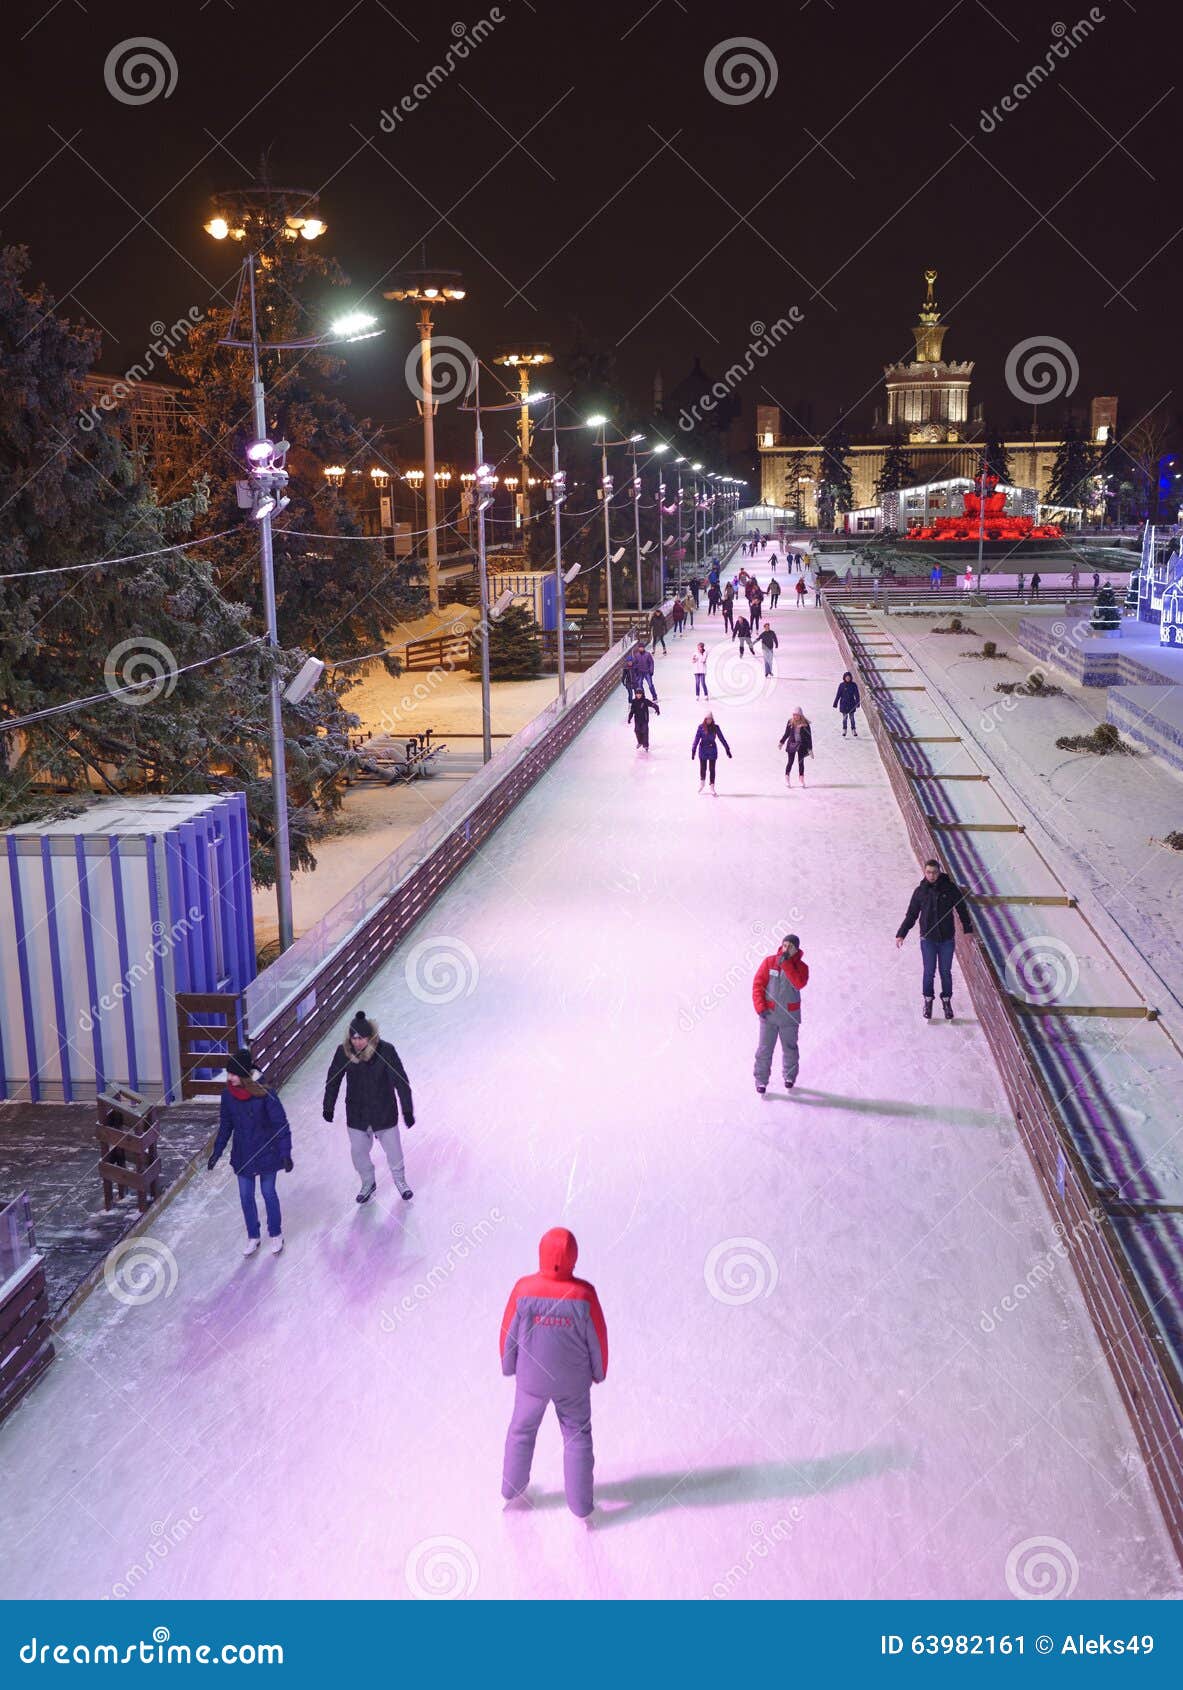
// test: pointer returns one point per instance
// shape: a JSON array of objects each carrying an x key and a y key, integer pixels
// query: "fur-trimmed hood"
[{"x": 371, "y": 1045}]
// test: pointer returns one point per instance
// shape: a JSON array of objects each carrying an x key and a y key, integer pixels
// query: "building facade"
[{"x": 928, "y": 411}]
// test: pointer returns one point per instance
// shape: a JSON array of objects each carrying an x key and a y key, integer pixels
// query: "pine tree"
[
  {"x": 71, "y": 494},
  {"x": 515, "y": 651},
  {"x": 996, "y": 455},
  {"x": 834, "y": 491},
  {"x": 1106, "y": 617},
  {"x": 897, "y": 471},
  {"x": 337, "y": 597},
  {"x": 798, "y": 468},
  {"x": 1072, "y": 468}
]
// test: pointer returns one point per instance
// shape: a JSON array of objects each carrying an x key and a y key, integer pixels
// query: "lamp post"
[
  {"x": 634, "y": 440},
  {"x": 429, "y": 289},
  {"x": 414, "y": 478},
  {"x": 260, "y": 217},
  {"x": 658, "y": 449},
  {"x": 523, "y": 357},
  {"x": 606, "y": 498},
  {"x": 697, "y": 524}
]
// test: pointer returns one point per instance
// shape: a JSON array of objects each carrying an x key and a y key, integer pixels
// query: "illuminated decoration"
[
  {"x": 928, "y": 399},
  {"x": 290, "y": 212},
  {"x": 380, "y": 477},
  {"x": 1158, "y": 570},
  {"x": 262, "y": 494},
  {"x": 334, "y": 474},
  {"x": 1105, "y": 620},
  {"x": 984, "y": 515}
]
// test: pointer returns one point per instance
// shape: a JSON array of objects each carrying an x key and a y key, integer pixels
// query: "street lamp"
[
  {"x": 524, "y": 356},
  {"x": 257, "y": 217},
  {"x": 429, "y": 289}
]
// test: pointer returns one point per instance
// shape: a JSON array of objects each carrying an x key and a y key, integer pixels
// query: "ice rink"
[{"x": 814, "y": 1387}]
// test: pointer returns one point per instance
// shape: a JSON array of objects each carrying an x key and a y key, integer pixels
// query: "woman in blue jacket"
[
  {"x": 255, "y": 1127},
  {"x": 707, "y": 740},
  {"x": 847, "y": 699}
]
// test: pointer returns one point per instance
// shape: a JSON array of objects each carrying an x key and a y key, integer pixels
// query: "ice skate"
[
  {"x": 927, "y": 1009},
  {"x": 251, "y": 1245},
  {"x": 366, "y": 1192},
  {"x": 276, "y": 1244},
  {"x": 714, "y": 793},
  {"x": 405, "y": 1193},
  {"x": 761, "y": 1089},
  {"x": 947, "y": 1006},
  {"x": 702, "y": 786}
]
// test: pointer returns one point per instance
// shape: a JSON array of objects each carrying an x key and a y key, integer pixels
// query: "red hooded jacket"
[
  {"x": 778, "y": 983},
  {"x": 553, "y": 1335}
]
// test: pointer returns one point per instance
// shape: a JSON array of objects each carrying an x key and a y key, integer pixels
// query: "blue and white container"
[{"x": 104, "y": 918}]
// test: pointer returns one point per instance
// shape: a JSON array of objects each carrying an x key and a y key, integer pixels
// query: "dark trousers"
[
  {"x": 250, "y": 1208},
  {"x": 848, "y": 721},
  {"x": 934, "y": 953},
  {"x": 727, "y": 619},
  {"x": 705, "y": 764}
]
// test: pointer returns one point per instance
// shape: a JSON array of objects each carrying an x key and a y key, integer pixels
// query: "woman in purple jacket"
[{"x": 707, "y": 740}]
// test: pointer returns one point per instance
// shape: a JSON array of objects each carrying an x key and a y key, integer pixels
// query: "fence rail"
[{"x": 1142, "y": 1365}]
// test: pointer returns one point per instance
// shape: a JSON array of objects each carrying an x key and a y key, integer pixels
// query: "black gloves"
[
  {"x": 287, "y": 1167},
  {"x": 212, "y": 1164},
  {"x": 328, "y": 1114}
]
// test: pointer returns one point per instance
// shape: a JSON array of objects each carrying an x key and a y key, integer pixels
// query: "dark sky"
[{"x": 667, "y": 220}]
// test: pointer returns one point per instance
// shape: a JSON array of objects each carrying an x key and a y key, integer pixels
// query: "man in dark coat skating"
[
  {"x": 933, "y": 904},
  {"x": 375, "y": 1085}
]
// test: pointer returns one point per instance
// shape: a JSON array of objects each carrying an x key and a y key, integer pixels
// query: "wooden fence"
[
  {"x": 26, "y": 1346},
  {"x": 1142, "y": 1365}
]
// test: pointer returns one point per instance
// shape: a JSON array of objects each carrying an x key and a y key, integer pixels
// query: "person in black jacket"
[
  {"x": 932, "y": 905},
  {"x": 742, "y": 631},
  {"x": 375, "y": 1085},
  {"x": 847, "y": 699},
  {"x": 638, "y": 715},
  {"x": 797, "y": 744}
]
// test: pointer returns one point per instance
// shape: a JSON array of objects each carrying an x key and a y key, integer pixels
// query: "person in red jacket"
[
  {"x": 554, "y": 1341},
  {"x": 776, "y": 996}
]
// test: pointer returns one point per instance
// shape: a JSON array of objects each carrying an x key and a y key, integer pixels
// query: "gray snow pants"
[
  {"x": 574, "y": 1413},
  {"x": 359, "y": 1149},
  {"x": 780, "y": 1025}
]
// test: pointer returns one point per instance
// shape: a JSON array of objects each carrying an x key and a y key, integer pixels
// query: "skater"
[
  {"x": 657, "y": 631},
  {"x": 1075, "y": 577},
  {"x": 773, "y": 593},
  {"x": 1036, "y": 583},
  {"x": 797, "y": 742},
  {"x": 847, "y": 699},
  {"x": 729, "y": 610},
  {"x": 698, "y": 665},
  {"x": 643, "y": 672},
  {"x": 742, "y": 631},
  {"x": 800, "y": 591},
  {"x": 638, "y": 715},
  {"x": 772, "y": 561},
  {"x": 1022, "y": 585},
  {"x": 776, "y": 998},
  {"x": 689, "y": 606},
  {"x": 707, "y": 739},
  {"x": 695, "y": 589},
  {"x": 713, "y": 572},
  {"x": 714, "y": 597},
  {"x": 628, "y": 674},
  {"x": 932, "y": 904},
  {"x": 555, "y": 1344},
  {"x": 1096, "y": 581},
  {"x": 678, "y": 618},
  {"x": 754, "y": 606},
  {"x": 817, "y": 589},
  {"x": 253, "y": 1124},
  {"x": 375, "y": 1085},
  {"x": 935, "y": 578},
  {"x": 768, "y": 644}
]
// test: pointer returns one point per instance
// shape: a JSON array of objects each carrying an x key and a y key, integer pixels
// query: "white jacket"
[{"x": 698, "y": 662}]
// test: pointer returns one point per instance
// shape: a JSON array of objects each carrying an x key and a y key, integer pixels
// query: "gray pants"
[
  {"x": 574, "y": 1412},
  {"x": 359, "y": 1149},
  {"x": 782, "y": 1025}
]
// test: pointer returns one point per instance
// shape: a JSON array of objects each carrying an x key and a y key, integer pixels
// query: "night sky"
[{"x": 664, "y": 219}]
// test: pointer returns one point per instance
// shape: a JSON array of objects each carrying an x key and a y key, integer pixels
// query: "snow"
[{"x": 809, "y": 1394}]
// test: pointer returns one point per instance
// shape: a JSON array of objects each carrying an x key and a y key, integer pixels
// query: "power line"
[
  {"x": 116, "y": 692},
  {"x": 109, "y": 562}
]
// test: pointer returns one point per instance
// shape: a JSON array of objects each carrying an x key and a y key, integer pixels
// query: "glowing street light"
[{"x": 524, "y": 356}]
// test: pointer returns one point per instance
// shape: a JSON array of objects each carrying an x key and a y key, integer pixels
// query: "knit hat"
[
  {"x": 361, "y": 1027},
  {"x": 241, "y": 1065},
  {"x": 791, "y": 939}
]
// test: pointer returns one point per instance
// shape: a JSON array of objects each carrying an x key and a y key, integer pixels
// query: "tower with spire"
[{"x": 928, "y": 399}]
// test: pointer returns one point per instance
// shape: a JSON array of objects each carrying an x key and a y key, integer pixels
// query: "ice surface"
[{"x": 809, "y": 1394}]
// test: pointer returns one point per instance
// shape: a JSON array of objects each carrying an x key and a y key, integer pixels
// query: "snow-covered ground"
[{"x": 815, "y": 1388}]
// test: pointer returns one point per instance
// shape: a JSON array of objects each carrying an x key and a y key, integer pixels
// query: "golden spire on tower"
[{"x": 929, "y": 331}]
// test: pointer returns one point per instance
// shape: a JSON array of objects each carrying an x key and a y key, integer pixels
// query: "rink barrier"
[
  {"x": 1142, "y": 1365},
  {"x": 292, "y": 1004}
]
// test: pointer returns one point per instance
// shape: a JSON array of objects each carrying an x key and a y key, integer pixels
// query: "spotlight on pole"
[
  {"x": 502, "y": 605},
  {"x": 303, "y": 682},
  {"x": 570, "y": 574}
]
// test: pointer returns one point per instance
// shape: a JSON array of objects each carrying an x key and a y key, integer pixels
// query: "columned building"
[{"x": 928, "y": 411}]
